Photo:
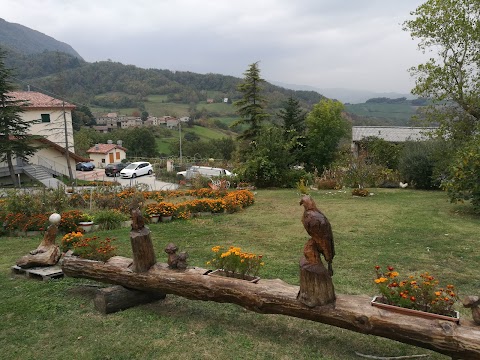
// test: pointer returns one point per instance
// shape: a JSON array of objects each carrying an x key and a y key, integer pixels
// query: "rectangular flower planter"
[
  {"x": 376, "y": 302},
  {"x": 223, "y": 273}
]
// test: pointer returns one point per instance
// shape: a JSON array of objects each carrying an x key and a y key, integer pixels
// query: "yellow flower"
[{"x": 380, "y": 280}]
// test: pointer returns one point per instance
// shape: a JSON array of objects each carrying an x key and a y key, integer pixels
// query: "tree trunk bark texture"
[
  {"x": 117, "y": 298},
  {"x": 277, "y": 297},
  {"x": 316, "y": 286},
  {"x": 142, "y": 249},
  {"x": 46, "y": 254}
]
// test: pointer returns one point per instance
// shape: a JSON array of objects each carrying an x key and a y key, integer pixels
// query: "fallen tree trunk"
[
  {"x": 277, "y": 297},
  {"x": 117, "y": 298}
]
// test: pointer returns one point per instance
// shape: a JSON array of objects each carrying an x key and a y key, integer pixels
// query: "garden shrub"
[
  {"x": 360, "y": 174},
  {"x": 381, "y": 152},
  {"x": 200, "y": 182},
  {"x": 24, "y": 202},
  {"x": 70, "y": 220},
  {"x": 110, "y": 219},
  {"x": 417, "y": 164},
  {"x": 463, "y": 182}
]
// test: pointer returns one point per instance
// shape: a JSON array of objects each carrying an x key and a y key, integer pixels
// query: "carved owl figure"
[{"x": 319, "y": 228}]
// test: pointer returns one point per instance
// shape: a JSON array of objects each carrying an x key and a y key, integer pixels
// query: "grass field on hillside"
[
  {"x": 415, "y": 231},
  {"x": 397, "y": 114}
]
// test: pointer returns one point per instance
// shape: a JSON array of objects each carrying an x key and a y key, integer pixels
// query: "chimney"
[
  {"x": 109, "y": 142},
  {"x": 97, "y": 147},
  {"x": 119, "y": 142}
]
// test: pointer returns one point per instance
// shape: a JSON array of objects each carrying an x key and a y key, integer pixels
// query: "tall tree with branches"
[
  {"x": 450, "y": 29},
  {"x": 251, "y": 107},
  {"x": 293, "y": 122},
  {"x": 15, "y": 140}
]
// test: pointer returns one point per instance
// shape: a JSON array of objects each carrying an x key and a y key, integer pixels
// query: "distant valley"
[{"x": 45, "y": 64}]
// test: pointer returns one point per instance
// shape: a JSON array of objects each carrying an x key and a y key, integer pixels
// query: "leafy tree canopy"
[
  {"x": 325, "y": 128},
  {"x": 451, "y": 30}
]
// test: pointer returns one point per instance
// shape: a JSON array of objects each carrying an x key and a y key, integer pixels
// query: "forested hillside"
[
  {"x": 114, "y": 86},
  {"x": 25, "y": 41},
  {"x": 45, "y": 64}
]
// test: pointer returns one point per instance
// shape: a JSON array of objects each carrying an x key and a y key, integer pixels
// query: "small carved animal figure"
[
  {"x": 138, "y": 223},
  {"x": 176, "y": 261},
  {"x": 182, "y": 260},
  {"x": 319, "y": 228}
]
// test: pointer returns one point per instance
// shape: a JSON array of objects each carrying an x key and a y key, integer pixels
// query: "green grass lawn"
[{"x": 415, "y": 231}]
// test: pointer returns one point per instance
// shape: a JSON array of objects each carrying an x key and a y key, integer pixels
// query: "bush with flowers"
[
  {"x": 234, "y": 261},
  {"x": 70, "y": 239},
  {"x": 166, "y": 208},
  {"x": 94, "y": 248},
  {"x": 25, "y": 222},
  {"x": 151, "y": 209},
  {"x": 70, "y": 220},
  {"x": 37, "y": 222},
  {"x": 422, "y": 292}
]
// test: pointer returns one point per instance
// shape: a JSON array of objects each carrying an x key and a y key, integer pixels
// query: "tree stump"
[
  {"x": 46, "y": 254},
  {"x": 316, "y": 286},
  {"x": 142, "y": 248},
  {"x": 117, "y": 298}
]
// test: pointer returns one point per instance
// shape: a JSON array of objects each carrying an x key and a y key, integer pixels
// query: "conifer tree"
[
  {"x": 251, "y": 107},
  {"x": 15, "y": 140}
]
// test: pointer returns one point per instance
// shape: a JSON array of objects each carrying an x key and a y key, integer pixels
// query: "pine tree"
[
  {"x": 293, "y": 116},
  {"x": 251, "y": 107},
  {"x": 15, "y": 140}
]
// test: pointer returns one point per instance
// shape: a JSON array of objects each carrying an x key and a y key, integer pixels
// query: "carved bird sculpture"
[{"x": 319, "y": 228}]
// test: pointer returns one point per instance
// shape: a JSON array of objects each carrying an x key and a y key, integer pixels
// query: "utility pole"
[
  {"x": 67, "y": 155},
  {"x": 180, "y": 135}
]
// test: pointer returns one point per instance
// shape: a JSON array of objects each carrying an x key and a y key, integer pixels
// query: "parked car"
[
  {"x": 85, "y": 166},
  {"x": 203, "y": 171},
  {"x": 135, "y": 169},
  {"x": 114, "y": 169}
]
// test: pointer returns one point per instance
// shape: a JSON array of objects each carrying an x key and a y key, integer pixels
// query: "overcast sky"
[{"x": 354, "y": 44}]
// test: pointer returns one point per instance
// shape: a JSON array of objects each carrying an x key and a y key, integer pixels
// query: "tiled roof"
[
  {"x": 35, "y": 99},
  {"x": 104, "y": 148},
  {"x": 390, "y": 133}
]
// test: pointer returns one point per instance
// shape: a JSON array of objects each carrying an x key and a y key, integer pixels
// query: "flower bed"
[
  {"x": 235, "y": 262},
  {"x": 179, "y": 204},
  {"x": 421, "y": 292}
]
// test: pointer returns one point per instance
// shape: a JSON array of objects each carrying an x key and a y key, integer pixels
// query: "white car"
[
  {"x": 135, "y": 169},
  {"x": 204, "y": 171}
]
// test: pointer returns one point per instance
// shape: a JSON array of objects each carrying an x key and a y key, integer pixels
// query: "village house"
[
  {"x": 104, "y": 154},
  {"x": 53, "y": 115}
]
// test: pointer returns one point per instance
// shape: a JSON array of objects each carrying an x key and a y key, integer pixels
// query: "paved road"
[{"x": 99, "y": 174}]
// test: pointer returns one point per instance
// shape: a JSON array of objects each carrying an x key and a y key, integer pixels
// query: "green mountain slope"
[
  {"x": 25, "y": 41},
  {"x": 47, "y": 65}
]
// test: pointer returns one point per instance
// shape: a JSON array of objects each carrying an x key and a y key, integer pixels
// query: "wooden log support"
[
  {"x": 142, "y": 249},
  {"x": 316, "y": 286},
  {"x": 117, "y": 298},
  {"x": 277, "y": 297}
]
